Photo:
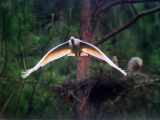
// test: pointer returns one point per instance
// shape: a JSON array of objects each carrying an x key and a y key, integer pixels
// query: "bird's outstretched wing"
[
  {"x": 55, "y": 53},
  {"x": 96, "y": 52}
]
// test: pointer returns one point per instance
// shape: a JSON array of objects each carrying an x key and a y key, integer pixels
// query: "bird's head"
[
  {"x": 72, "y": 37},
  {"x": 74, "y": 41}
]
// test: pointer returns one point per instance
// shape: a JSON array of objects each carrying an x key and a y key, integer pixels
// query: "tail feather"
[{"x": 26, "y": 73}]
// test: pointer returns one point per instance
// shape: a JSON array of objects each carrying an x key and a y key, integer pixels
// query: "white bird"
[
  {"x": 134, "y": 64},
  {"x": 73, "y": 47}
]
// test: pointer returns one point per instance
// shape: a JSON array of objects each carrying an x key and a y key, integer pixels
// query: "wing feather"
[
  {"x": 55, "y": 53},
  {"x": 92, "y": 52},
  {"x": 96, "y": 52}
]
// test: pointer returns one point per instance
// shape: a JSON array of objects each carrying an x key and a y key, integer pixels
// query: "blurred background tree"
[{"x": 29, "y": 28}]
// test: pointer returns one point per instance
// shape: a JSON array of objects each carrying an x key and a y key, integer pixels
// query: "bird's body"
[
  {"x": 134, "y": 64},
  {"x": 73, "y": 47}
]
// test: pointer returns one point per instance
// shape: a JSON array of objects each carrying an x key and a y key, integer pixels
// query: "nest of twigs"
[
  {"x": 94, "y": 91},
  {"x": 97, "y": 91},
  {"x": 110, "y": 96}
]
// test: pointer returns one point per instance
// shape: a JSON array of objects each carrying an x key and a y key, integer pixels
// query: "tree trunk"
[
  {"x": 83, "y": 62},
  {"x": 86, "y": 35}
]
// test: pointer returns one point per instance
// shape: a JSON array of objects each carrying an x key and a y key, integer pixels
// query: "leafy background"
[{"x": 29, "y": 28}]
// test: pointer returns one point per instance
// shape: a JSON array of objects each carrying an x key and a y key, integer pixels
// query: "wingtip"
[
  {"x": 124, "y": 72},
  {"x": 26, "y": 73}
]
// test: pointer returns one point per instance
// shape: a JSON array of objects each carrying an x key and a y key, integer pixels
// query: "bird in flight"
[{"x": 73, "y": 47}]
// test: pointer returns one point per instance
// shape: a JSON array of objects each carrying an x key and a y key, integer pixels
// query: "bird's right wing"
[
  {"x": 55, "y": 53},
  {"x": 96, "y": 52}
]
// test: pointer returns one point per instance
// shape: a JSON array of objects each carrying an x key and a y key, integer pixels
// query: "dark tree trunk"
[{"x": 83, "y": 62}]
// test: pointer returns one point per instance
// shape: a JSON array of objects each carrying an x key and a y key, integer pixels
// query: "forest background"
[{"x": 121, "y": 28}]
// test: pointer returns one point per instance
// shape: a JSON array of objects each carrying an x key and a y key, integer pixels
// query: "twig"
[
  {"x": 118, "y": 2},
  {"x": 134, "y": 9},
  {"x": 24, "y": 62},
  {"x": 4, "y": 36},
  {"x": 7, "y": 101},
  {"x": 125, "y": 26},
  {"x": 76, "y": 98},
  {"x": 146, "y": 82},
  {"x": 83, "y": 103}
]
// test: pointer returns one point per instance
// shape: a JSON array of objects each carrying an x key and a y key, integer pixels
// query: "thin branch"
[
  {"x": 134, "y": 9},
  {"x": 99, "y": 3},
  {"x": 125, "y": 26},
  {"x": 74, "y": 96},
  {"x": 146, "y": 82},
  {"x": 24, "y": 62},
  {"x": 118, "y": 2},
  {"x": 8, "y": 100},
  {"x": 4, "y": 36},
  {"x": 83, "y": 103}
]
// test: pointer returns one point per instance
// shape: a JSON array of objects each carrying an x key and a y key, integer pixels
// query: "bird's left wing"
[
  {"x": 96, "y": 52},
  {"x": 55, "y": 53}
]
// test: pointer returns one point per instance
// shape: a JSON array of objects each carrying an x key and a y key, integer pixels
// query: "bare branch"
[
  {"x": 8, "y": 100},
  {"x": 147, "y": 82},
  {"x": 83, "y": 103},
  {"x": 134, "y": 9},
  {"x": 118, "y": 2},
  {"x": 144, "y": 83},
  {"x": 74, "y": 96},
  {"x": 125, "y": 26}
]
